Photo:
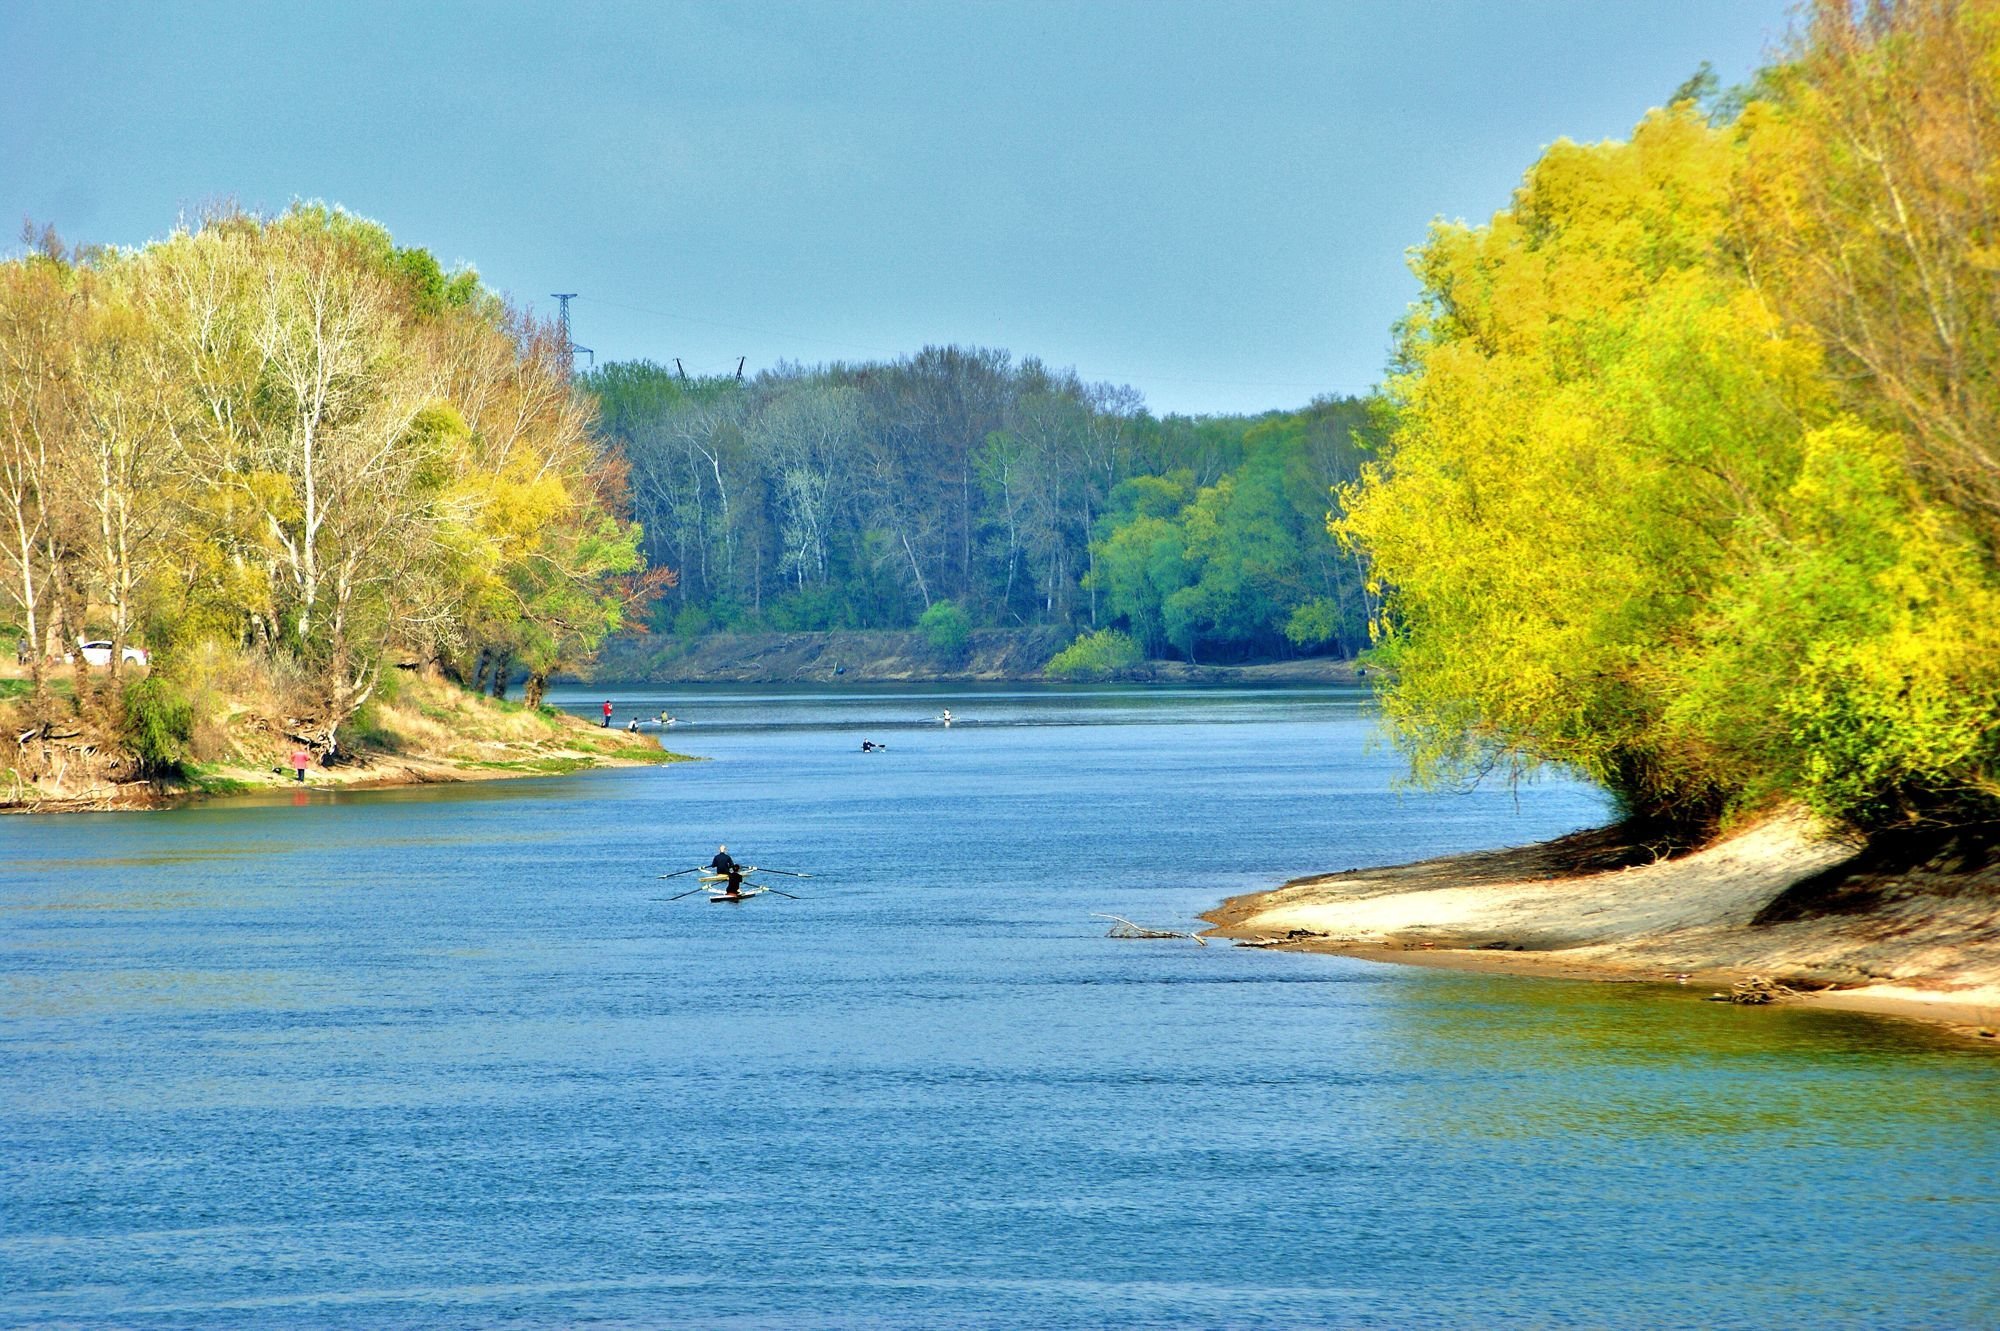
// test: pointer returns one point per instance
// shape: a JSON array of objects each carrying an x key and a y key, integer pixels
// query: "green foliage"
[
  {"x": 809, "y": 610},
  {"x": 1097, "y": 655},
  {"x": 1853, "y": 663},
  {"x": 200, "y": 778},
  {"x": 1314, "y": 623},
  {"x": 1225, "y": 568},
  {"x": 157, "y": 724},
  {"x": 432, "y": 290},
  {"x": 691, "y": 622},
  {"x": 946, "y": 627}
]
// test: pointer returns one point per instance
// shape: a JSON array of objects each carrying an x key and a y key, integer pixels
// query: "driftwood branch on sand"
[{"x": 1124, "y": 928}]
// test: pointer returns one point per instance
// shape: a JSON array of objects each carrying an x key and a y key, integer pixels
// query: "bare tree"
[
  {"x": 339, "y": 399},
  {"x": 35, "y": 407},
  {"x": 808, "y": 436}
]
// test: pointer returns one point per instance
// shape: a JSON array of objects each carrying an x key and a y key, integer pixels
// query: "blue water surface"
[{"x": 444, "y": 1057}]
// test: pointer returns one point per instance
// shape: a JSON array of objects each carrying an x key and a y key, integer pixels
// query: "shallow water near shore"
[{"x": 442, "y": 1057}]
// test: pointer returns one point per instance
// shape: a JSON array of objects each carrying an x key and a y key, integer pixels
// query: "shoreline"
[
  {"x": 434, "y": 734},
  {"x": 1911, "y": 932},
  {"x": 902, "y": 656},
  {"x": 371, "y": 771}
]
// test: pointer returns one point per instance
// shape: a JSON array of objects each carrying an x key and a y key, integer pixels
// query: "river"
[{"x": 444, "y": 1057}]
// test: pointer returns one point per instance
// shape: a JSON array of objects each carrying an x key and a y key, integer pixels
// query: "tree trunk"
[
  {"x": 502, "y": 666},
  {"x": 923, "y": 588},
  {"x": 535, "y": 689},
  {"x": 70, "y": 612}
]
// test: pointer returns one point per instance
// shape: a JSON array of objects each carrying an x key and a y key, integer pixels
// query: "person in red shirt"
[{"x": 607, "y": 713}]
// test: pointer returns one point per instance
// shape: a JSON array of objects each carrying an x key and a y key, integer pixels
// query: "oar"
[
  {"x": 768, "y": 888},
  {"x": 787, "y": 872},
  {"x": 678, "y": 872},
  {"x": 690, "y": 892}
]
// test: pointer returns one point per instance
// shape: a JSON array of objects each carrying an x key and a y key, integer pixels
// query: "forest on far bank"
[{"x": 960, "y": 488}]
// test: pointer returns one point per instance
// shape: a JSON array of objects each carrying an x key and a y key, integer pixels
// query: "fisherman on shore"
[
  {"x": 724, "y": 863},
  {"x": 607, "y": 713}
]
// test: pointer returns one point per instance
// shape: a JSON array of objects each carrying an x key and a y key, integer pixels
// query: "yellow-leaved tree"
[{"x": 1638, "y": 518}]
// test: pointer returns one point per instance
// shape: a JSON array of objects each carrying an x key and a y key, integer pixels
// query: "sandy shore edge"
[
  {"x": 374, "y": 772},
  {"x": 1914, "y": 936}
]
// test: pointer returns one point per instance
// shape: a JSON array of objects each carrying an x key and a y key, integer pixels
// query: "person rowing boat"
[
  {"x": 732, "y": 876},
  {"x": 726, "y": 865}
]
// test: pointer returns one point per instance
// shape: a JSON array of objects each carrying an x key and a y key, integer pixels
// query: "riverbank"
[
  {"x": 867, "y": 656},
  {"x": 1907, "y": 927},
  {"x": 430, "y": 732}
]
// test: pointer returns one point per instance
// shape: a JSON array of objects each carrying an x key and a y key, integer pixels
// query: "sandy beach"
[{"x": 1907, "y": 928}]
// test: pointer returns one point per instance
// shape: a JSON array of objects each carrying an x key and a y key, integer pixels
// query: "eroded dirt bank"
[
  {"x": 433, "y": 732},
  {"x": 1909, "y": 925}
]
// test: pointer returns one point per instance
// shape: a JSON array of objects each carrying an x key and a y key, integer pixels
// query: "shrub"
[
  {"x": 158, "y": 725},
  {"x": 1095, "y": 656},
  {"x": 946, "y": 627},
  {"x": 692, "y": 622}
]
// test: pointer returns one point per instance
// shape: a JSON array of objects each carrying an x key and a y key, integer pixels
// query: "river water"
[{"x": 442, "y": 1057}]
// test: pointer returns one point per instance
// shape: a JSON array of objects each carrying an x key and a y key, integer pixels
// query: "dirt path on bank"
[{"x": 1908, "y": 927}]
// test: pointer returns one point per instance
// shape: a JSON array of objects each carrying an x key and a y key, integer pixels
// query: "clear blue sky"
[{"x": 1210, "y": 201}]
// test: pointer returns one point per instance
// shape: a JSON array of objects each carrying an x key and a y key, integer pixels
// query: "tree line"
[
  {"x": 1693, "y": 483},
  {"x": 865, "y": 495},
  {"x": 290, "y": 440}
]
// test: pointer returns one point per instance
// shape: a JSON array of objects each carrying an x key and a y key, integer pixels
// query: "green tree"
[{"x": 946, "y": 627}]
